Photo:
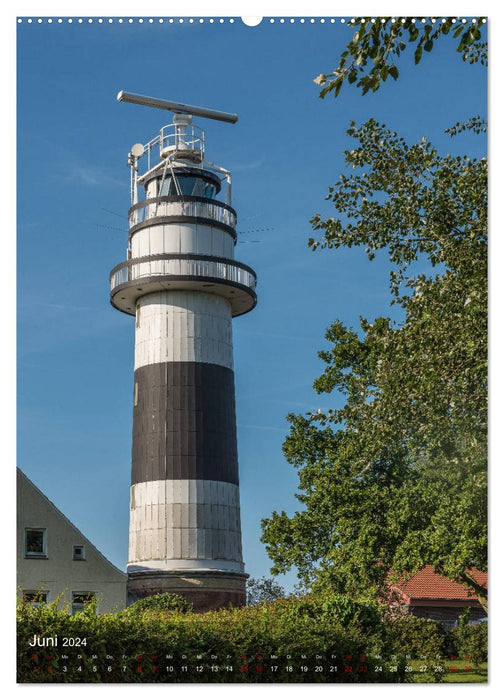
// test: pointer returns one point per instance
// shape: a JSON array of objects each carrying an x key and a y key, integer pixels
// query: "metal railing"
[
  {"x": 182, "y": 206},
  {"x": 189, "y": 138},
  {"x": 192, "y": 140},
  {"x": 182, "y": 266}
]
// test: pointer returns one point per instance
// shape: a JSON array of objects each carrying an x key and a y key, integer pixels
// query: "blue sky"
[{"x": 75, "y": 352}]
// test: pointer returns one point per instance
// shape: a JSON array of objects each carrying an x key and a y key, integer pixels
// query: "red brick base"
[{"x": 207, "y": 591}]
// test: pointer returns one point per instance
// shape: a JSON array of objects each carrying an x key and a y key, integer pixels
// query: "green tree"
[
  {"x": 377, "y": 44},
  {"x": 263, "y": 590},
  {"x": 396, "y": 478}
]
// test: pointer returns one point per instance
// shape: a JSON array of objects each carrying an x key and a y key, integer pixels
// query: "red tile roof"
[{"x": 427, "y": 584}]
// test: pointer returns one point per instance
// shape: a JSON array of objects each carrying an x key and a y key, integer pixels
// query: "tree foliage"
[
  {"x": 396, "y": 479},
  {"x": 263, "y": 590},
  {"x": 377, "y": 44}
]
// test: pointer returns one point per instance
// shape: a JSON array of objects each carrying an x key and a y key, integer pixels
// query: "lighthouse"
[{"x": 182, "y": 285}]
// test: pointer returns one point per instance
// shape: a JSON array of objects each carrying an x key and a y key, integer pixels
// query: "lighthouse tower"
[{"x": 181, "y": 283}]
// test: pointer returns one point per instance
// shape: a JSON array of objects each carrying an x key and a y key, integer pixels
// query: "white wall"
[{"x": 59, "y": 572}]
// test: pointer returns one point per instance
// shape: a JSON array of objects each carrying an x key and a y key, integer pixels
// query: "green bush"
[
  {"x": 412, "y": 637},
  {"x": 160, "y": 602},
  {"x": 419, "y": 637},
  {"x": 471, "y": 641},
  {"x": 351, "y": 612}
]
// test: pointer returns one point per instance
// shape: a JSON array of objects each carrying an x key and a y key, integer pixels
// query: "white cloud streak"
[
  {"x": 89, "y": 176},
  {"x": 262, "y": 427}
]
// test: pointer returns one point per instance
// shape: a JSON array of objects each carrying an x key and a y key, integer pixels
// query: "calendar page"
[{"x": 252, "y": 381}]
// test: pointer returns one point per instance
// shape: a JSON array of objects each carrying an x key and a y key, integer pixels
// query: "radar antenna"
[{"x": 177, "y": 107}]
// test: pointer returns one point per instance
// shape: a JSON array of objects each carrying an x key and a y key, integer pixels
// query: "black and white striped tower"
[{"x": 181, "y": 282}]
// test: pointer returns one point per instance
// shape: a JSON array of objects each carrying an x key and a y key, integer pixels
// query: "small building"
[
  {"x": 54, "y": 557},
  {"x": 430, "y": 595}
]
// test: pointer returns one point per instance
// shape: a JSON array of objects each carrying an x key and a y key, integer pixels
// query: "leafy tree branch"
[{"x": 378, "y": 44}]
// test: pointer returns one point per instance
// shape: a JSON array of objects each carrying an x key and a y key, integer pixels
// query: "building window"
[
  {"x": 80, "y": 599},
  {"x": 35, "y": 543},
  {"x": 35, "y": 598},
  {"x": 79, "y": 552},
  {"x": 448, "y": 624}
]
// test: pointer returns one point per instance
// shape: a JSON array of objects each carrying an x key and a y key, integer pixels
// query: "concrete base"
[{"x": 206, "y": 590}]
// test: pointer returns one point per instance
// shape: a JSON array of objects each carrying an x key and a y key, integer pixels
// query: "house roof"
[
  {"x": 22, "y": 475},
  {"x": 426, "y": 584}
]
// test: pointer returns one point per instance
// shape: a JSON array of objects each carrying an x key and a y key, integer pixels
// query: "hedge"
[
  {"x": 308, "y": 640},
  {"x": 470, "y": 642}
]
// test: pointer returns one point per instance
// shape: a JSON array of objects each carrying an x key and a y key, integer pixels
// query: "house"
[
  {"x": 54, "y": 557},
  {"x": 430, "y": 595}
]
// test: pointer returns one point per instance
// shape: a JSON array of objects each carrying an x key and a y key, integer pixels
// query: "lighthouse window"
[
  {"x": 189, "y": 185},
  {"x": 35, "y": 543},
  {"x": 210, "y": 190},
  {"x": 167, "y": 188},
  {"x": 197, "y": 187}
]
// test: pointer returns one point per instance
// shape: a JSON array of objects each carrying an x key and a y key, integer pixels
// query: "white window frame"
[
  {"x": 35, "y": 555},
  {"x": 83, "y": 556},
  {"x": 36, "y": 603},
  {"x": 80, "y": 606}
]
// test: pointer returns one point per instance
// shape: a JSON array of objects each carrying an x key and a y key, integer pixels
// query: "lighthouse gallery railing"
[
  {"x": 183, "y": 205},
  {"x": 182, "y": 265}
]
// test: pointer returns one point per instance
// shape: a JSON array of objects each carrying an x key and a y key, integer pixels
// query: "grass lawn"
[
  {"x": 466, "y": 672},
  {"x": 456, "y": 671}
]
